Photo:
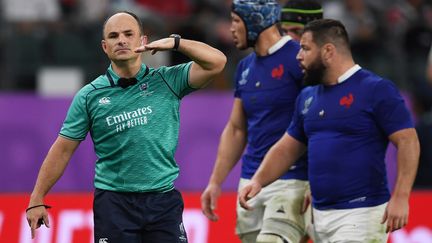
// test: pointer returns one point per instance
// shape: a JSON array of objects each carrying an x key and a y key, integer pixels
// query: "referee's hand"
[
  {"x": 165, "y": 44},
  {"x": 36, "y": 217}
]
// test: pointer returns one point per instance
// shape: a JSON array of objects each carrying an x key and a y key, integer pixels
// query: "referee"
[{"x": 132, "y": 115}]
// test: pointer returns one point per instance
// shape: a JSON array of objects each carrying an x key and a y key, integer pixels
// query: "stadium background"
[{"x": 50, "y": 48}]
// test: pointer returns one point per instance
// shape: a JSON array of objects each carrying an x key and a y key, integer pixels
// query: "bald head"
[
  {"x": 122, "y": 34},
  {"x": 122, "y": 15}
]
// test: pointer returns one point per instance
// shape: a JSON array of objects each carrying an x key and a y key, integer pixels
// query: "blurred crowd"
[{"x": 390, "y": 37}]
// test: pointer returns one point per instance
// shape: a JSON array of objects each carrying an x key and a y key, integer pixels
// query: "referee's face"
[{"x": 121, "y": 37}]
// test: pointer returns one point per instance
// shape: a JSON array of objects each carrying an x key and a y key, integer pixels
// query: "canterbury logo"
[
  {"x": 277, "y": 72},
  {"x": 347, "y": 100},
  {"x": 105, "y": 101}
]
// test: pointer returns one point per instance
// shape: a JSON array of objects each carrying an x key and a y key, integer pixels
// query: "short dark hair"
[
  {"x": 138, "y": 20},
  {"x": 328, "y": 31}
]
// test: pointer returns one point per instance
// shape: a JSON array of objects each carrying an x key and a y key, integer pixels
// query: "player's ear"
[{"x": 327, "y": 51}]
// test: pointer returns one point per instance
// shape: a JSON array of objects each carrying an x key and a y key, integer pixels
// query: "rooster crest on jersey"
[{"x": 257, "y": 15}]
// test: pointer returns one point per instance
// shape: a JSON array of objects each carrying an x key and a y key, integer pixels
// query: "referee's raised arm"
[{"x": 207, "y": 61}]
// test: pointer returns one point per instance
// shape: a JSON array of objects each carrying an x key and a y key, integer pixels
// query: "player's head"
[
  {"x": 321, "y": 42},
  {"x": 328, "y": 31},
  {"x": 257, "y": 15},
  {"x": 297, "y": 13}
]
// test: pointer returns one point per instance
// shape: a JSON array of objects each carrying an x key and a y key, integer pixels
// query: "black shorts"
[{"x": 151, "y": 217}]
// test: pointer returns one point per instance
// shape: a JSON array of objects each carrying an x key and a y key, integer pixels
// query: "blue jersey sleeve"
[
  {"x": 389, "y": 108},
  {"x": 240, "y": 74},
  {"x": 236, "y": 78},
  {"x": 296, "y": 127}
]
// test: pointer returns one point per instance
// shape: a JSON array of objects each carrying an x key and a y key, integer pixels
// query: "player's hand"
[
  {"x": 209, "y": 201},
  {"x": 396, "y": 213},
  {"x": 36, "y": 217},
  {"x": 158, "y": 45},
  {"x": 247, "y": 192}
]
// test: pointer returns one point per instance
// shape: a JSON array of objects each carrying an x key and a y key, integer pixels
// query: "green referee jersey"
[{"x": 134, "y": 130}]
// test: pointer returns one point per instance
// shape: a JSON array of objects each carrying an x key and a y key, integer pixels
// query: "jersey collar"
[
  {"x": 348, "y": 73},
  {"x": 140, "y": 75},
  {"x": 279, "y": 44}
]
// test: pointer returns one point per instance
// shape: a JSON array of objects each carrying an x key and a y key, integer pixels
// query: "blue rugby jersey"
[
  {"x": 346, "y": 128},
  {"x": 268, "y": 87}
]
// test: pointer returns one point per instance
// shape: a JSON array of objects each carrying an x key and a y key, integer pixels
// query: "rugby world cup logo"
[
  {"x": 143, "y": 86},
  {"x": 307, "y": 104}
]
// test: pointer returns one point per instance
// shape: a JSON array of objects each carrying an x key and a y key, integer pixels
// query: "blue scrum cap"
[{"x": 257, "y": 15}]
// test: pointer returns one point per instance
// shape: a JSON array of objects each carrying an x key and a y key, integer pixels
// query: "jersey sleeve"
[
  {"x": 237, "y": 77},
  {"x": 389, "y": 108},
  {"x": 296, "y": 127},
  {"x": 76, "y": 125},
  {"x": 177, "y": 78}
]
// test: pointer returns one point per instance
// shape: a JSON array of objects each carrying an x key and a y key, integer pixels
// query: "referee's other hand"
[{"x": 36, "y": 217}]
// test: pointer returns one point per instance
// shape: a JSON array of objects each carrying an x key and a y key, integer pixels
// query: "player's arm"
[
  {"x": 408, "y": 152},
  {"x": 51, "y": 170},
  {"x": 278, "y": 160},
  {"x": 231, "y": 146}
]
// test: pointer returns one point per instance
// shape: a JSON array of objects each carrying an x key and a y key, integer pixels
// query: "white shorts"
[
  {"x": 276, "y": 210},
  {"x": 350, "y": 225}
]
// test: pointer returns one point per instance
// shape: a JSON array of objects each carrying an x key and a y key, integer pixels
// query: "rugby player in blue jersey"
[
  {"x": 268, "y": 81},
  {"x": 346, "y": 123}
]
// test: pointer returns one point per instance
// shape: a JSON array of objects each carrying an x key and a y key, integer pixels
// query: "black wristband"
[
  {"x": 40, "y": 205},
  {"x": 176, "y": 41}
]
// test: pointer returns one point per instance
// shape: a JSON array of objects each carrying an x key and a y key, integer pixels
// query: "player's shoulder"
[
  {"x": 249, "y": 57},
  {"x": 373, "y": 80},
  {"x": 367, "y": 77},
  {"x": 308, "y": 93},
  {"x": 291, "y": 46},
  {"x": 309, "y": 90},
  {"x": 291, "y": 43},
  {"x": 246, "y": 61}
]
